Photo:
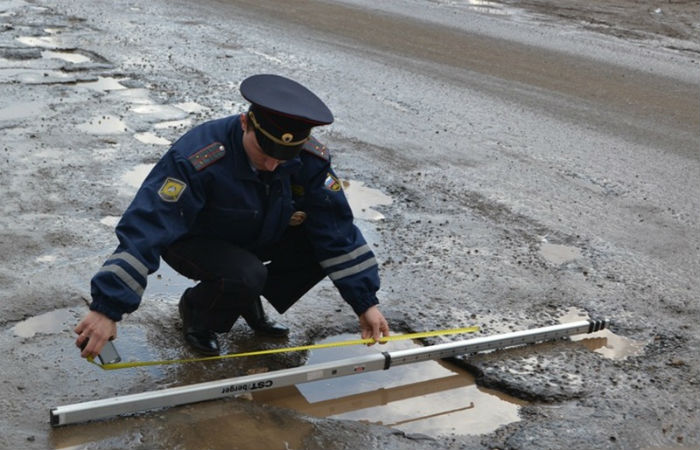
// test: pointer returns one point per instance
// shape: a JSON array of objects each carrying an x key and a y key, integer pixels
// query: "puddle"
[
  {"x": 362, "y": 199},
  {"x": 104, "y": 84},
  {"x": 107, "y": 124},
  {"x": 191, "y": 107},
  {"x": 559, "y": 254},
  {"x": 71, "y": 57},
  {"x": 210, "y": 425},
  {"x": 484, "y": 6},
  {"x": 137, "y": 96},
  {"x": 36, "y": 76},
  {"x": 429, "y": 397},
  {"x": 173, "y": 124},
  {"x": 110, "y": 221},
  {"x": 160, "y": 113},
  {"x": 46, "y": 259},
  {"x": 481, "y": 6},
  {"x": 39, "y": 41},
  {"x": 48, "y": 323},
  {"x": 150, "y": 138},
  {"x": 604, "y": 342},
  {"x": 132, "y": 343},
  {"x": 134, "y": 177}
]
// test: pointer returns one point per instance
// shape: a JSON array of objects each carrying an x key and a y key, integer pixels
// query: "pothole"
[
  {"x": 104, "y": 84},
  {"x": 362, "y": 199},
  {"x": 605, "y": 341},
  {"x": 107, "y": 124},
  {"x": 133, "y": 178},
  {"x": 51, "y": 322},
  {"x": 40, "y": 41},
  {"x": 430, "y": 397},
  {"x": 71, "y": 57},
  {"x": 132, "y": 342},
  {"x": 150, "y": 138}
]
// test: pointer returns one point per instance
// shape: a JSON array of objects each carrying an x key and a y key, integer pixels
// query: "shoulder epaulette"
[
  {"x": 207, "y": 156},
  {"x": 314, "y": 147}
]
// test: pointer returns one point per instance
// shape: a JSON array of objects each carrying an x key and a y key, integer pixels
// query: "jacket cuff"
[
  {"x": 362, "y": 305},
  {"x": 103, "y": 308}
]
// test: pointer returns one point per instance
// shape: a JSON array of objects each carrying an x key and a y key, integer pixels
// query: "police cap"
[{"x": 282, "y": 112}]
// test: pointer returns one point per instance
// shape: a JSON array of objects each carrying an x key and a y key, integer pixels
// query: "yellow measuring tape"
[{"x": 424, "y": 334}]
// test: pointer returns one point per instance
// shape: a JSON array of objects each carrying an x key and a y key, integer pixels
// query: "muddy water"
[
  {"x": 430, "y": 397},
  {"x": 221, "y": 424},
  {"x": 605, "y": 341}
]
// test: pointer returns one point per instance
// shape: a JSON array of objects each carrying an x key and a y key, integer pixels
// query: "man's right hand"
[{"x": 95, "y": 329}]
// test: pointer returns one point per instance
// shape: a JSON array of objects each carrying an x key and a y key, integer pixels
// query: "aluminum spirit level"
[{"x": 127, "y": 404}]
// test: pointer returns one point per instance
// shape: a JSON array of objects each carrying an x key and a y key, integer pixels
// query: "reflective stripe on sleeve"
[
  {"x": 352, "y": 270},
  {"x": 125, "y": 277},
  {"x": 330, "y": 262},
  {"x": 132, "y": 261}
]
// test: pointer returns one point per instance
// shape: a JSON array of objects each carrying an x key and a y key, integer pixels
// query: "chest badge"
[
  {"x": 172, "y": 189},
  {"x": 297, "y": 218}
]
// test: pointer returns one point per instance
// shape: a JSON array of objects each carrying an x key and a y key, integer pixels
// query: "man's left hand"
[{"x": 373, "y": 324}]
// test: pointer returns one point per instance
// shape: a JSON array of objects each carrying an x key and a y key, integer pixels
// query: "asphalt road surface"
[{"x": 525, "y": 163}]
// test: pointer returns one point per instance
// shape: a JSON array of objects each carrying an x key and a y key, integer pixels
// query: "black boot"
[
  {"x": 258, "y": 321},
  {"x": 200, "y": 339}
]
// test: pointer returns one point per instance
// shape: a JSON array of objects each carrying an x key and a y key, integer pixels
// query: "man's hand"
[
  {"x": 99, "y": 329},
  {"x": 373, "y": 324}
]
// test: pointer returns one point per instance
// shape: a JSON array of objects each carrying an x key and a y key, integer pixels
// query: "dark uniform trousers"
[{"x": 231, "y": 278}]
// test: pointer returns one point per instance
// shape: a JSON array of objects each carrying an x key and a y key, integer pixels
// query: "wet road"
[
  {"x": 527, "y": 170},
  {"x": 639, "y": 105}
]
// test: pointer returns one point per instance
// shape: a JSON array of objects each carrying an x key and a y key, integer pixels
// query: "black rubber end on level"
[
  {"x": 53, "y": 418},
  {"x": 597, "y": 325}
]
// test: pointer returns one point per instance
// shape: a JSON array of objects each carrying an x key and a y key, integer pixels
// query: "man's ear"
[{"x": 244, "y": 122}]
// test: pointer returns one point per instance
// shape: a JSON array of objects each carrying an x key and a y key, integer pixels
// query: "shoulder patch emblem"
[
  {"x": 332, "y": 183},
  {"x": 314, "y": 147},
  {"x": 172, "y": 189},
  {"x": 207, "y": 156}
]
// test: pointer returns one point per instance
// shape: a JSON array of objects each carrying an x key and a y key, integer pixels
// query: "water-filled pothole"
[
  {"x": 605, "y": 341},
  {"x": 104, "y": 84},
  {"x": 68, "y": 56},
  {"x": 150, "y": 138},
  {"x": 362, "y": 199},
  {"x": 430, "y": 397},
  {"x": 107, "y": 124},
  {"x": 51, "y": 322}
]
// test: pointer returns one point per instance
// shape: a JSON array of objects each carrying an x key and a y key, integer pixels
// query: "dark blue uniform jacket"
[{"x": 205, "y": 186}]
